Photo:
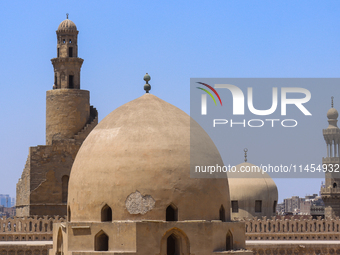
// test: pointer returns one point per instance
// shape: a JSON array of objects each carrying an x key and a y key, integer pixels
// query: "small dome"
[
  {"x": 67, "y": 25},
  {"x": 332, "y": 114},
  {"x": 137, "y": 161},
  {"x": 248, "y": 187}
]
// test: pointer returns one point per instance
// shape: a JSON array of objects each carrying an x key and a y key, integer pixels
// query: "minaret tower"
[
  {"x": 67, "y": 106},
  {"x": 331, "y": 192},
  {"x": 43, "y": 186}
]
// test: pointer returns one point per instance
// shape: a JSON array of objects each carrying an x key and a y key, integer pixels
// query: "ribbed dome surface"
[
  {"x": 67, "y": 25},
  {"x": 137, "y": 161}
]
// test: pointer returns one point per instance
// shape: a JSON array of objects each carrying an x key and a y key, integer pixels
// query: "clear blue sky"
[{"x": 171, "y": 40}]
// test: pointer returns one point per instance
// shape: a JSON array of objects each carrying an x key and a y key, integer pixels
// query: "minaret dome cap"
[
  {"x": 332, "y": 114},
  {"x": 67, "y": 25}
]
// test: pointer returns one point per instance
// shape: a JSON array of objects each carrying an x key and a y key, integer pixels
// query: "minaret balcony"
[
  {"x": 331, "y": 160},
  {"x": 330, "y": 191},
  {"x": 331, "y": 131},
  {"x": 67, "y": 59}
]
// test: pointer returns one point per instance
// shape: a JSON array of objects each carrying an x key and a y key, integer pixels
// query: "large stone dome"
[
  {"x": 248, "y": 187},
  {"x": 137, "y": 161}
]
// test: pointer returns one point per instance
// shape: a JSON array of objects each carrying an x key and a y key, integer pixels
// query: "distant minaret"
[
  {"x": 331, "y": 192},
  {"x": 67, "y": 106}
]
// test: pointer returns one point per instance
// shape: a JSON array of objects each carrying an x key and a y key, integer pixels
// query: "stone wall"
[
  {"x": 296, "y": 228},
  {"x": 67, "y": 112},
  {"x": 39, "y": 191},
  {"x": 28, "y": 228},
  {"x": 265, "y": 236},
  {"x": 42, "y": 190},
  {"x": 311, "y": 248},
  {"x": 24, "y": 249}
]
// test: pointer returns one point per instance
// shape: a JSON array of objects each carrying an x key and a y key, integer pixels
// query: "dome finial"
[
  {"x": 66, "y": 15},
  {"x": 147, "y": 86},
  {"x": 245, "y": 154},
  {"x": 332, "y": 101}
]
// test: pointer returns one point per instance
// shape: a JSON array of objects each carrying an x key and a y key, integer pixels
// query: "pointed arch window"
[
  {"x": 106, "y": 213},
  {"x": 69, "y": 214},
  {"x": 101, "y": 242},
  {"x": 175, "y": 242},
  {"x": 64, "y": 181},
  {"x": 229, "y": 241},
  {"x": 222, "y": 213},
  {"x": 172, "y": 245},
  {"x": 59, "y": 243},
  {"x": 171, "y": 213}
]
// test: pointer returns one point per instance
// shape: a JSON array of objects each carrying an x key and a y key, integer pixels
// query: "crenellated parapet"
[
  {"x": 31, "y": 228},
  {"x": 297, "y": 228}
]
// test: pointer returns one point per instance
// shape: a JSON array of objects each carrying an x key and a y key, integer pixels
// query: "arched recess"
[
  {"x": 69, "y": 214},
  {"x": 101, "y": 241},
  {"x": 171, "y": 213},
  {"x": 334, "y": 185},
  {"x": 64, "y": 181},
  {"x": 106, "y": 213},
  {"x": 59, "y": 243},
  {"x": 229, "y": 241},
  {"x": 175, "y": 242},
  {"x": 222, "y": 213}
]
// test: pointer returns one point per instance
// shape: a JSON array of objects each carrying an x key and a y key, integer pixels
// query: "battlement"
[
  {"x": 31, "y": 228},
  {"x": 295, "y": 228}
]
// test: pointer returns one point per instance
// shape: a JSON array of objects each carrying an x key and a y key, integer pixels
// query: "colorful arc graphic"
[
  {"x": 213, "y": 90},
  {"x": 208, "y": 93}
]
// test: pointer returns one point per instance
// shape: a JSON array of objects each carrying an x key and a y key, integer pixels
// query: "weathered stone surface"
[
  {"x": 137, "y": 203},
  {"x": 67, "y": 112}
]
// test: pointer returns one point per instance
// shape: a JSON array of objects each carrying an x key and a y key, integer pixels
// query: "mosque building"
[{"x": 130, "y": 190}]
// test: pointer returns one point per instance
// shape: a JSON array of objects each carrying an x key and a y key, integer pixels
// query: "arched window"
[
  {"x": 70, "y": 52},
  {"x": 59, "y": 243},
  {"x": 274, "y": 206},
  {"x": 106, "y": 214},
  {"x": 172, "y": 245},
  {"x": 258, "y": 206},
  {"x": 69, "y": 214},
  {"x": 175, "y": 242},
  {"x": 229, "y": 241},
  {"x": 171, "y": 213},
  {"x": 70, "y": 82},
  {"x": 222, "y": 213},
  {"x": 101, "y": 242},
  {"x": 64, "y": 181},
  {"x": 234, "y": 206},
  {"x": 334, "y": 185}
]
